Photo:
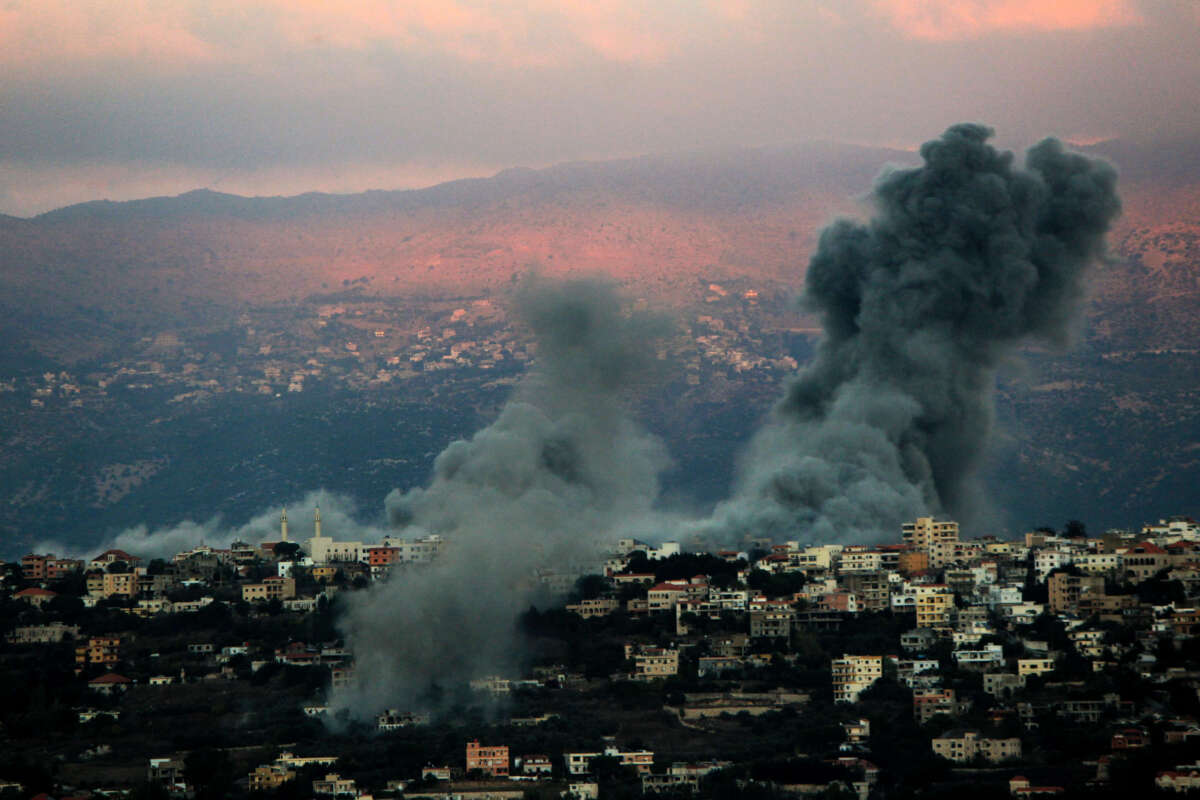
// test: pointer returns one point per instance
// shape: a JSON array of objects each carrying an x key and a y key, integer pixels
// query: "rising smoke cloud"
[
  {"x": 545, "y": 484},
  {"x": 339, "y": 513},
  {"x": 966, "y": 258}
]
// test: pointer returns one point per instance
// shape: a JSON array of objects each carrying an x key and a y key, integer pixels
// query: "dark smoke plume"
[
  {"x": 966, "y": 258},
  {"x": 543, "y": 486}
]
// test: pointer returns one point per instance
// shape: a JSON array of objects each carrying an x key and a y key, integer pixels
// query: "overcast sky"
[{"x": 128, "y": 98}]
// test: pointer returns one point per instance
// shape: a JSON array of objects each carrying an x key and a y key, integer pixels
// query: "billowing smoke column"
[
  {"x": 966, "y": 258},
  {"x": 544, "y": 484}
]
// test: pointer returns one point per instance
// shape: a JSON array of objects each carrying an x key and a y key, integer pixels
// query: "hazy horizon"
[{"x": 271, "y": 98}]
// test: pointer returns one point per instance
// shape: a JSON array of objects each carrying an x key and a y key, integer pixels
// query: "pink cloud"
[
  {"x": 943, "y": 20},
  {"x": 60, "y": 31},
  {"x": 531, "y": 33}
]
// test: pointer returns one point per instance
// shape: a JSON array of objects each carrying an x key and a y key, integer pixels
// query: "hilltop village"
[
  {"x": 1059, "y": 664},
  {"x": 360, "y": 345}
]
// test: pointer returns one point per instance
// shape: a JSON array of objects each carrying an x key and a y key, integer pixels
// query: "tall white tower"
[
  {"x": 317, "y": 522},
  {"x": 283, "y": 526}
]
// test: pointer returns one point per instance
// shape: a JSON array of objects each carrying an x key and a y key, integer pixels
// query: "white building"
[{"x": 854, "y": 674}]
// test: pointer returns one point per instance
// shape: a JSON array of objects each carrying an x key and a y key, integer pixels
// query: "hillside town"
[
  {"x": 1062, "y": 663},
  {"x": 358, "y": 343}
]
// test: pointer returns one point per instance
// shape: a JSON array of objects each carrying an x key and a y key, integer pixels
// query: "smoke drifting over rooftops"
[
  {"x": 966, "y": 258},
  {"x": 544, "y": 484}
]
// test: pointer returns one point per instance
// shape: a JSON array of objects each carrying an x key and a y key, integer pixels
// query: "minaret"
[
  {"x": 283, "y": 526},
  {"x": 317, "y": 522}
]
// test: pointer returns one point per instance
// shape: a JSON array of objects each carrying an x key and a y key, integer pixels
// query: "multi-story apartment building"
[
  {"x": 936, "y": 538},
  {"x": 271, "y": 588},
  {"x": 581, "y": 763},
  {"x": 102, "y": 650},
  {"x": 489, "y": 760},
  {"x": 35, "y": 567},
  {"x": 873, "y": 589},
  {"x": 854, "y": 674},
  {"x": 963, "y": 745},
  {"x": 935, "y": 604},
  {"x": 652, "y": 662},
  {"x": 774, "y": 624},
  {"x": 1144, "y": 560},
  {"x": 859, "y": 558},
  {"x": 269, "y": 777},
  {"x": 929, "y": 702},
  {"x": 1034, "y": 666},
  {"x": 381, "y": 558},
  {"x": 1065, "y": 590}
]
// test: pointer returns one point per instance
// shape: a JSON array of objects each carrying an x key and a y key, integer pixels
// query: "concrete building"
[
  {"x": 964, "y": 745},
  {"x": 581, "y": 763},
  {"x": 934, "y": 606},
  {"x": 650, "y": 663},
  {"x": 934, "y": 537},
  {"x": 854, "y": 674},
  {"x": 271, "y": 588},
  {"x": 1065, "y": 590},
  {"x": 489, "y": 760}
]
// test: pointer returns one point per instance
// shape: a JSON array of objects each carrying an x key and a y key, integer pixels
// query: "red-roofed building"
[
  {"x": 666, "y": 595},
  {"x": 1019, "y": 786},
  {"x": 35, "y": 596},
  {"x": 1129, "y": 739},
  {"x": 109, "y": 556},
  {"x": 1178, "y": 780},
  {"x": 1145, "y": 560},
  {"x": 110, "y": 683}
]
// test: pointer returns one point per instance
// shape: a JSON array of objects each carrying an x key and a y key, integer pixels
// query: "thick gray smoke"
[
  {"x": 965, "y": 259},
  {"x": 543, "y": 486},
  {"x": 339, "y": 512}
]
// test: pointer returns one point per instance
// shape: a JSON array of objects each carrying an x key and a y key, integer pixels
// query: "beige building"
[
  {"x": 652, "y": 662},
  {"x": 334, "y": 785},
  {"x": 934, "y": 607},
  {"x": 269, "y": 777},
  {"x": 112, "y": 584},
  {"x": 103, "y": 650},
  {"x": 1066, "y": 590},
  {"x": 928, "y": 703},
  {"x": 853, "y": 674},
  {"x": 50, "y": 633},
  {"x": 596, "y": 607},
  {"x": 273, "y": 588},
  {"x": 963, "y": 745},
  {"x": 926, "y": 532},
  {"x": 1034, "y": 666},
  {"x": 581, "y": 763}
]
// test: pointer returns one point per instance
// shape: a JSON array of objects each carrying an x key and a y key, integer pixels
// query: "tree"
[
  {"x": 1075, "y": 530},
  {"x": 210, "y": 771},
  {"x": 286, "y": 551}
]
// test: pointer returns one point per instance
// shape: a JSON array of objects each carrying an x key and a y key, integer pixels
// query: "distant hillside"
[
  {"x": 84, "y": 274},
  {"x": 89, "y": 270},
  {"x": 133, "y": 298}
]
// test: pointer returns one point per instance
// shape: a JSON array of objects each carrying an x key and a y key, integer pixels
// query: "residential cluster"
[
  {"x": 1058, "y": 661},
  {"x": 362, "y": 343}
]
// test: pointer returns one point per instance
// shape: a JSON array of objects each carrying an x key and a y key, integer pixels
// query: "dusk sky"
[{"x": 103, "y": 99}]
